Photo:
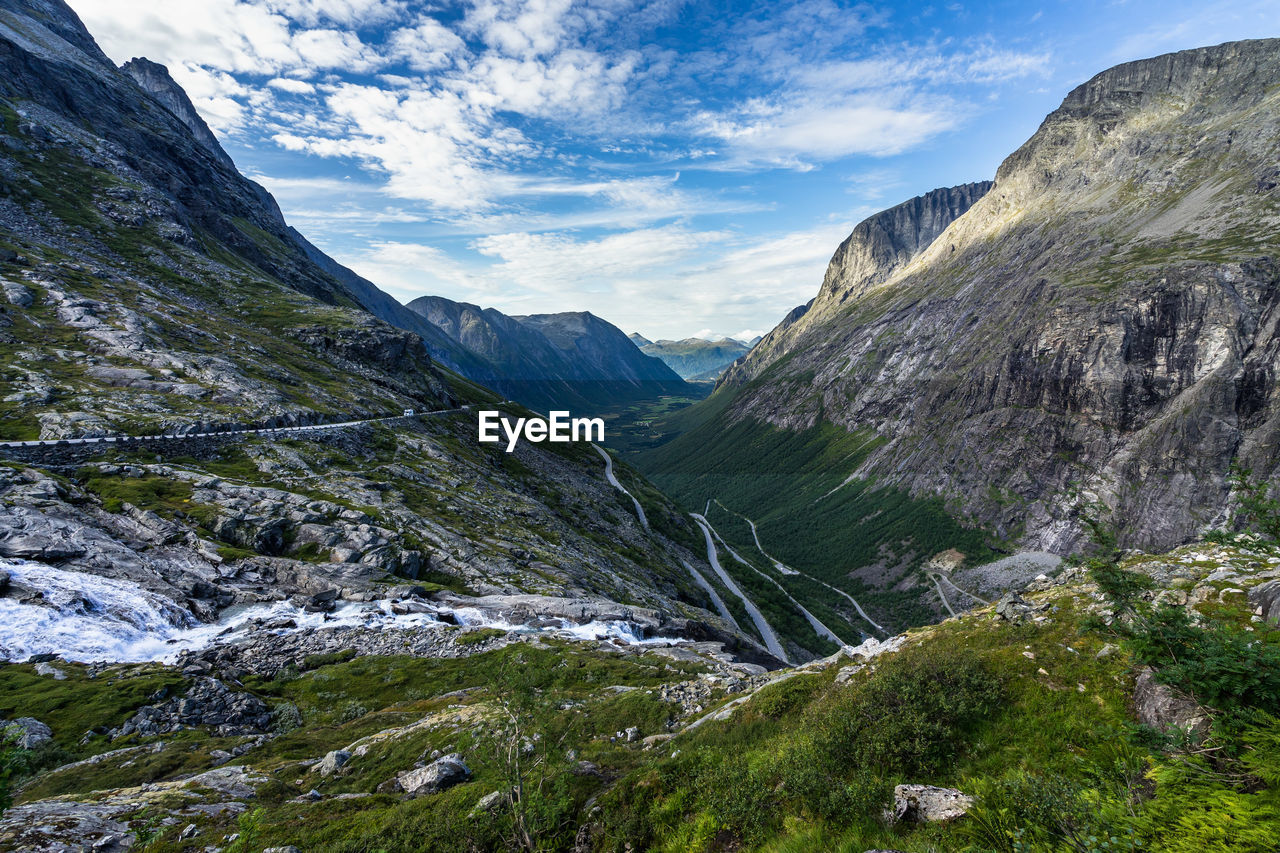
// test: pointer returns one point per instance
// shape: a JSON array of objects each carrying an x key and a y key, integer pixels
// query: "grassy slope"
[
  {"x": 793, "y": 485},
  {"x": 806, "y": 764}
]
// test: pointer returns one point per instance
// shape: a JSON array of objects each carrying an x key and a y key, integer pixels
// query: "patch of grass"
[
  {"x": 73, "y": 706},
  {"x": 478, "y": 636},
  {"x": 163, "y": 495}
]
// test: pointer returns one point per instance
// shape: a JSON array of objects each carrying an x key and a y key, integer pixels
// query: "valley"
[{"x": 286, "y": 564}]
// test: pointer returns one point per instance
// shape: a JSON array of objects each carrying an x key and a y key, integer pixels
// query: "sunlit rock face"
[{"x": 1102, "y": 317}]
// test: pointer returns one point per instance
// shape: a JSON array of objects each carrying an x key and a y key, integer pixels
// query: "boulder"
[
  {"x": 439, "y": 775},
  {"x": 1265, "y": 600},
  {"x": 926, "y": 803},
  {"x": 1162, "y": 707},
  {"x": 27, "y": 732},
  {"x": 489, "y": 804},
  {"x": 17, "y": 294},
  {"x": 332, "y": 763},
  {"x": 1012, "y": 608},
  {"x": 322, "y": 602},
  {"x": 50, "y": 670}
]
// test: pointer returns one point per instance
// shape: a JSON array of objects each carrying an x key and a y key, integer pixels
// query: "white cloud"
[
  {"x": 795, "y": 135},
  {"x": 550, "y": 262},
  {"x": 361, "y": 13},
  {"x": 297, "y": 87},
  {"x": 325, "y": 49},
  {"x": 656, "y": 279},
  {"x": 410, "y": 270},
  {"x": 427, "y": 46}
]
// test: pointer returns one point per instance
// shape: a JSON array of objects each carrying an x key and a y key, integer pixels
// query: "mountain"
[
  {"x": 384, "y": 634},
  {"x": 550, "y": 361},
  {"x": 150, "y": 289},
  {"x": 695, "y": 358},
  {"x": 639, "y": 339},
  {"x": 1007, "y": 355}
]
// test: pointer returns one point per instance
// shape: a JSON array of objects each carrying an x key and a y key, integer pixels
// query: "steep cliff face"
[
  {"x": 1101, "y": 324},
  {"x": 879, "y": 246},
  {"x": 155, "y": 79}
]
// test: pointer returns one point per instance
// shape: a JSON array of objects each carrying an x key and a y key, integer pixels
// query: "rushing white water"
[{"x": 85, "y": 618}]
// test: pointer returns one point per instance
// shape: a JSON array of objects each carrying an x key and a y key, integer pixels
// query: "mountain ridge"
[
  {"x": 696, "y": 358},
  {"x": 1044, "y": 343},
  {"x": 570, "y": 359}
]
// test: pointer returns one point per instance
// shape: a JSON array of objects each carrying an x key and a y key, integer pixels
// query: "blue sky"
[{"x": 678, "y": 168}]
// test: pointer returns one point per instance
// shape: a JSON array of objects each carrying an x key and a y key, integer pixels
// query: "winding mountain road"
[
  {"x": 762, "y": 625},
  {"x": 777, "y": 564},
  {"x": 721, "y": 607},
  {"x": 820, "y": 629},
  {"x": 787, "y": 570},
  {"x": 941, "y": 594},
  {"x": 942, "y": 577},
  {"x": 267, "y": 431},
  {"x": 613, "y": 481}
]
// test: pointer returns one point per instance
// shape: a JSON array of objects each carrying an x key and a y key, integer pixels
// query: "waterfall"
[{"x": 84, "y": 617}]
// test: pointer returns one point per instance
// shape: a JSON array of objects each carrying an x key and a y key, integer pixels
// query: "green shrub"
[
  {"x": 1258, "y": 510},
  {"x": 316, "y": 661},
  {"x": 479, "y": 635},
  {"x": 13, "y": 766},
  {"x": 1217, "y": 663},
  {"x": 778, "y": 700}
]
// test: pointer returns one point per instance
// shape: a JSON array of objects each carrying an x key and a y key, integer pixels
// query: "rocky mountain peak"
[
  {"x": 879, "y": 246},
  {"x": 885, "y": 242},
  {"x": 154, "y": 78},
  {"x": 52, "y": 30},
  {"x": 1101, "y": 316}
]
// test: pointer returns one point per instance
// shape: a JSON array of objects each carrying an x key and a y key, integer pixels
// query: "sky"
[{"x": 677, "y": 168}]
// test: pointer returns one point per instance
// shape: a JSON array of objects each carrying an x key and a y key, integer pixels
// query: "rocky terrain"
[
  {"x": 294, "y": 739},
  {"x": 570, "y": 360}
]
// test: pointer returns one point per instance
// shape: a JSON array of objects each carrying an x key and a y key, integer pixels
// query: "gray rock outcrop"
[
  {"x": 332, "y": 762},
  {"x": 926, "y": 803},
  {"x": 1163, "y": 708},
  {"x": 26, "y": 732},
  {"x": 439, "y": 775},
  {"x": 1265, "y": 600},
  {"x": 208, "y": 704}
]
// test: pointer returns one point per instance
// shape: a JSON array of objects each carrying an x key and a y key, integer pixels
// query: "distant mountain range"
[
  {"x": 695, "y": 359},
  {"x": 571, "y": 359}
]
